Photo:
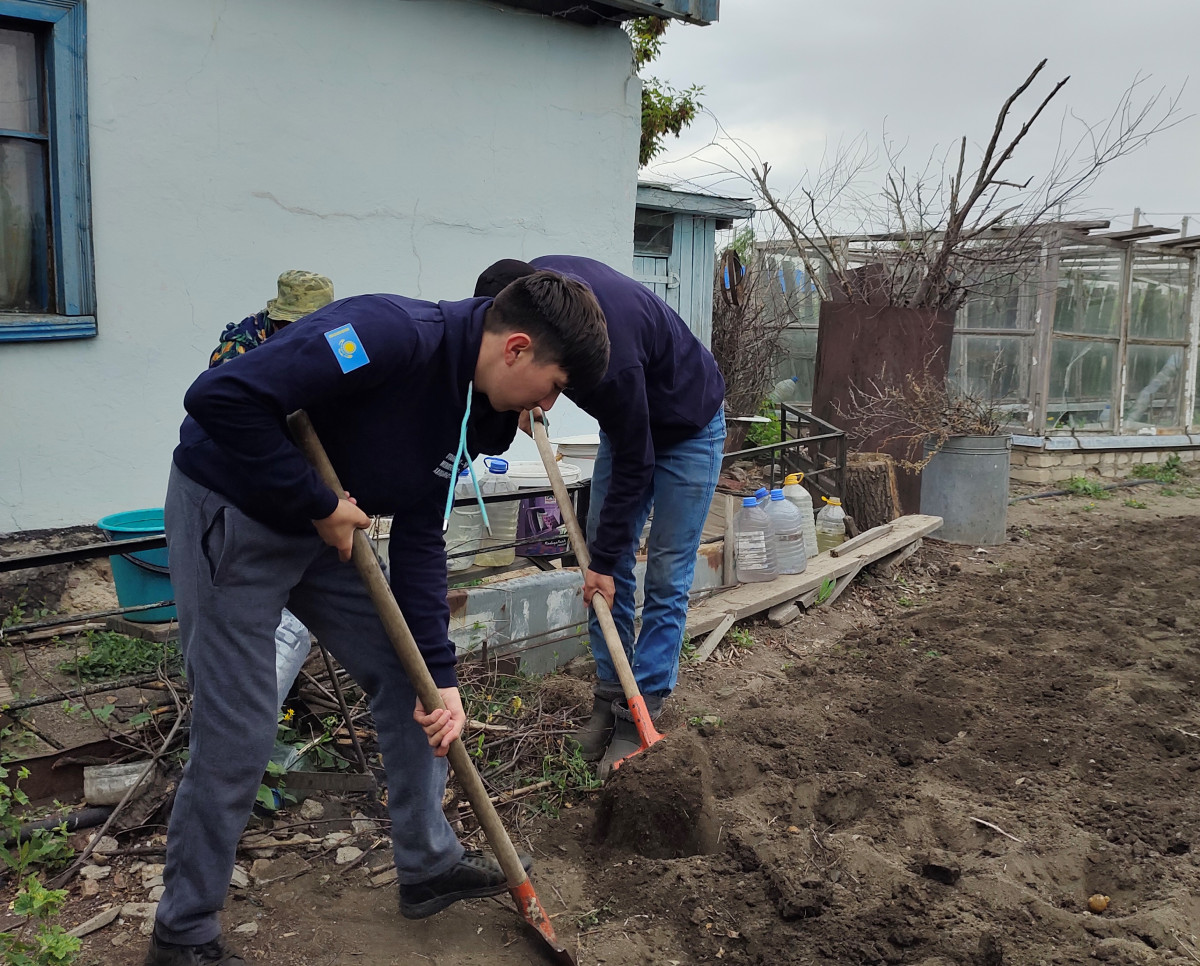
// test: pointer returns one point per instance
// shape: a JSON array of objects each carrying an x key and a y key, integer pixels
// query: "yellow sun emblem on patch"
[{"x": 349, "y": 348}]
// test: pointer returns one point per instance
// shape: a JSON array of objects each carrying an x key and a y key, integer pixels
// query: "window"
[
  {"x": 653, "y": 232},
  {"x": 47, "y": 288}
]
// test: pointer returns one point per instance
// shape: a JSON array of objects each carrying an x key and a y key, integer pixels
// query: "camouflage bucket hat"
[{"x": 300, "y": 293}]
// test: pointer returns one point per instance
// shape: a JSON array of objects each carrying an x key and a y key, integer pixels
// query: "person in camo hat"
[{"x": 300, "y": 293}]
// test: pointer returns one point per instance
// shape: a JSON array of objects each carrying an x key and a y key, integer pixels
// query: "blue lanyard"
[{"x": 459, "y": 454}]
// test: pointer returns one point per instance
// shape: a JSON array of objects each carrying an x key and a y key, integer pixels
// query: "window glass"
[
  {"x": 1082, "y": 383},
  {"x": 24, "y": 247},
  {"x": 1089, "y": 293},
  {"x": 1158, "y": 307},
  {"x": 1153, "y": 386},
  {"x": 653, "y": 232},
  {"x": 20, "y": 82}
]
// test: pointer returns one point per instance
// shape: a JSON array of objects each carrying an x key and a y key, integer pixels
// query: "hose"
[{"x": 1111, "y": 486}]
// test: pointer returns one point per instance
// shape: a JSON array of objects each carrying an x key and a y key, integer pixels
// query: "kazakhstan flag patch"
[{"x": 347, "y": 348}]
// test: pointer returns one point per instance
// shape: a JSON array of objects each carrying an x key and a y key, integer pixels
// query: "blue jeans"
[{"x": 685, "y": 477}]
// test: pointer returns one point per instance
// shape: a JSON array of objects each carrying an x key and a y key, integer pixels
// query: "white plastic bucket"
[
  {"x": 539, "y": 528},
  {"x": 580, "y": 450}
]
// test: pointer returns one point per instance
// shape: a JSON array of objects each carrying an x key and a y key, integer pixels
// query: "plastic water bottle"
[
  {"x": 831, "y": 524},
  {"x": 789, "y": 534},
  {"x": 798, "y": 497},
  {"x": 761, "y": 496},
  {"x": 754, "y": 543},
  {"x": 502, "y": 515},
  {"x": 783, "y": 390},
  {"x": 466, "y": 526}
]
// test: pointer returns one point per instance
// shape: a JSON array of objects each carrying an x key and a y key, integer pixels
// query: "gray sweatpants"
[{"x": 232, "y": 577}]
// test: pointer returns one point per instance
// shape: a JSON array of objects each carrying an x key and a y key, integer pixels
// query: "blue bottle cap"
[
  {"x": 760, "y": 492},
  {"x": 749, "y": 501},
  {"x": 496, "y": 465},
  {"x": 465, "y": 471},
  {"x": 777, "y": 494}
]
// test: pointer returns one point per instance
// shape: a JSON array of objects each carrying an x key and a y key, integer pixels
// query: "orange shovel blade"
[
  {"x": 645, "y": 728},
  {"x": 532, "y": 912}
]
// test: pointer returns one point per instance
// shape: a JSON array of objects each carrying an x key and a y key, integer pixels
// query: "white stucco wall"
[{"x": 394, "y": 145}]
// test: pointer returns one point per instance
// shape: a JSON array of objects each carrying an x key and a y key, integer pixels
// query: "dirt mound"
[
  {"x": 562, "y": 693},
  {"x": 659, "y": 804}
]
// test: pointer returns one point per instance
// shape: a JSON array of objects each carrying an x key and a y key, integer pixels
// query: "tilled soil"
[{"x": 940, "y": 769}]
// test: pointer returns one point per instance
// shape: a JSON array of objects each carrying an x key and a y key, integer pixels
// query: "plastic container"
[
  {"x": 783, "y": 390},
  {"x": 754, "y": 544},
  {"x": 140, "y": 578},
  {"x": 502, "y": 515},
  {"x": 762, "y": 495},
  {"x": 831, "y": 524},
  {"x": 790, "y": 554},
  {"x": 107, "y": 784},
  {"x": 466, "y": 526},
  {"x": 579, "y": 451},
  {"x": 292, "y": 644},
  {"x": 540, "y": 530},
  {"x": 966, "y": 484},
  {"x": 797, "y": 496}
]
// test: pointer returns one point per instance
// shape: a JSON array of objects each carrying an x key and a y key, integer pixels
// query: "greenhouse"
[{"x": 1086, "y": 341}]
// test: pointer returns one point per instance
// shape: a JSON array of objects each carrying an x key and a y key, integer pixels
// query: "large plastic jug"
[
  {"x": 831, "y": 524},
  {"x": 466, "y": 526},
  {"x": 784, "y": 390},
  {"x": 789, "y": 534},
  {"x": 798, "y": 497},
  {"x": 502, "y": 515},
  {"x": 761, "y": 496},
  {"x": 754, "y": 543}
]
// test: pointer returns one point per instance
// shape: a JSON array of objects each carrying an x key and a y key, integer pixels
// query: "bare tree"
[{"x": 934, "y": 233}]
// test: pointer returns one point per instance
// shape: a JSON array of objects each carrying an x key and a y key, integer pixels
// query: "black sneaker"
[
  {"x": 214, "y": 953},
  {"x": 476, "y": 876}
]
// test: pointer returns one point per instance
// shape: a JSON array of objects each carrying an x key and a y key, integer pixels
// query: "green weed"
[
  {"x": 826, "y": 590},
  {"x": 1135, "y": 504},
  {"x": 593, "y": 917},
  {"x": 113, "y": 655},
  {"x": 741, "y": 638},
  {"x": 904, "y": 601},
  {"x": 1168, "y": 471},
  {"x": 1082, "y": 486},
  {"x": 39, "y": 941}
]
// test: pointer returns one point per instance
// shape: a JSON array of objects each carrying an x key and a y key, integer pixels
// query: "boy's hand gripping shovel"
[
  {"x": 394, "y": 624},
  {"x": 616, "y": 651}
]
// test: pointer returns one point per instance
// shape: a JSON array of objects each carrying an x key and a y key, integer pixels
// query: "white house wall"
[{"x": 394, "y": 146}]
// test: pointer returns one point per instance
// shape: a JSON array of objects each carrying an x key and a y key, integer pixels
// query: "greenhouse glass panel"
[
  {"x": 1082, "y": 384},
  {"x": 1089, "y": 293},
  {"x": 1158, "y": 298},
  {"x": 798, "y": 357},
  {"x": 995, "y": 371},
  {"x": 1153, "y": 386},
  {"x": 1006, "y": 301}
]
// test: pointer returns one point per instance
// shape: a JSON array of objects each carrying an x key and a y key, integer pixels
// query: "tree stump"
[{"x": 872, "y": 497}]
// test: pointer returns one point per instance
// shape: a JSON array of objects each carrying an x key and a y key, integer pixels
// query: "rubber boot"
[
  {"x": 594, "y": 736},
  {"x": 625, "y": 739}
]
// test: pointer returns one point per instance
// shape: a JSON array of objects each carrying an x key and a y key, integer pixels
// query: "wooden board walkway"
[{"x": 746, "y": 600}]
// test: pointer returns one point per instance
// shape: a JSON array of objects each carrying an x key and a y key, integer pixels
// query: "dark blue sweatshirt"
[
  {"x": 384, "y": 380},
  {"x": 662, "y": 387}
]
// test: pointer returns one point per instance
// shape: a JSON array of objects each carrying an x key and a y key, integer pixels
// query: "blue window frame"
[{"x": 47, "y": 280}]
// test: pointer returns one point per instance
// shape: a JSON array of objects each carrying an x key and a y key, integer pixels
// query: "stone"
[
  {"x": 311, "y": 810},
  {"x": 269, "y": 870},
  {"x": 139, "y": 910},
  {"x": 106, "y": 846},
  {"x": 152, "y": 874},
  {"x": 239, "y": 879},
  {"x": 334, "y": 839},
  {"x": 362, "y": 824},
  {"x": 247, "y": 929},
  {"x": 95, "y": 872},
  {"x": 157, "y": 893},
  {"x": 347, "y": 854},
  {"x": 89, "y": 888}
]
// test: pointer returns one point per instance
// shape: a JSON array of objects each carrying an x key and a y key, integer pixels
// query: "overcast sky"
[{"x": 794, "y": 79}]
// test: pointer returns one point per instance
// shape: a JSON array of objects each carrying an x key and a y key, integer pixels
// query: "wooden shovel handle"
[
  {"x": 612, "y": 639},
  {"x": 394, "y": 624}
]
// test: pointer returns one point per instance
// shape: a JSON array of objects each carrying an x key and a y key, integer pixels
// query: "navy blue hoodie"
[
  {"x": 390, "y": 425},
  {"x": 662, "y": 387}
]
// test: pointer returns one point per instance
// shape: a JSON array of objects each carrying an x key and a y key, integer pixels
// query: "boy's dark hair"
[
  {"x": 499, "y": 275},
  {"x": 564, "y": 320}
]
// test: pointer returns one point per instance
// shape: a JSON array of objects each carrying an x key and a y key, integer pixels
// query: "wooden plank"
[
  {"x": 713, "y": 639},
  {"x": 1141, "y": 231},
  {"x": 861, "y": 540},
  {"x": 888, "y": 565},
  {"x": 746, "y": 600}
]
